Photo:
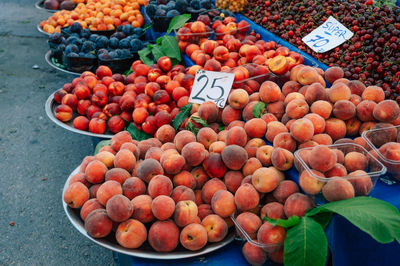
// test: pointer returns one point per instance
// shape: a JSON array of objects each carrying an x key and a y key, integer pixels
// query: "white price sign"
[
  {"x": 327, "y": 36},
  {"x": 211, "y": 86}
]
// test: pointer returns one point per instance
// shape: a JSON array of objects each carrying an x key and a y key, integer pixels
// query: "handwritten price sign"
[
  {"x": 327, "y": 36},
  {"x": 211, "y": 86}
]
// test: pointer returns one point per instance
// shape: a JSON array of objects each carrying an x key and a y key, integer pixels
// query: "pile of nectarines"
[
  {"x": 97, "y": 15},
  {"x": 149, "y": 97}
]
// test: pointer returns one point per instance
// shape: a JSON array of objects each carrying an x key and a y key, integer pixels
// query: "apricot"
[
  {"x": 297, "y": 204},
  {"x": 338, "y": 189}
]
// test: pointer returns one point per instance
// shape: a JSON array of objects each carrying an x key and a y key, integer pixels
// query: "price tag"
[
  {"x": 327, "y": 36},
  {"x": 211, "y": 86}
]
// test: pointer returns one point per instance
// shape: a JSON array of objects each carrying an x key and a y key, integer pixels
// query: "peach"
[
  {"x": 282, "y": 159},
  {"x": 386, "y": 111},
  {"x": 355, "y": 99},
  {"x": 270, "y": 92},
  {"x": 163, "y": 207},
  {"x": 184, "y": 178},
  {"x": 311, "y": 182},
  {"x": 206, "y": 136},
  {"x": 366, "y": 126},
  {"x": 120, "y": 138},
  {"x": 131, "y": 234},
  {"x": 165, "y": 133},
  {"x": 185, "y": 213},
  {"x": 133, "y": 187},
  {"x": 355, "y": 161},
  {"x": 293, "y": 96},
  {"x": 193, "y": 237},
  {"x": 181, "y": 193},
  {"x": 373, "y": 93},
  {"x": 125, "y": 159},
  {"x": 119, "y": 208},
  {"x": 252, "y": 146},
  {"x": 337, "y": 170},
  {"x": 98, "y": 224},
  {"x": 238, "y": 99},
  {"x": 209, "y": 189},
  {"x": 265, "y": 180},
  {"x": 249, "y": 222},
  {"x": 168, "y": 146},
  {"x": 339, "y": 91},
  {"x": 142, "y": 208},
  {"x": 89, "y": 206},
  {"x": 386, "y": 133},
  {"x": 234, "y": 156},
  {"x": 335, "y": 128},
  {"x": 163, "y": 236},
  {"x": 194, "y": 153},
  {"x": 255, "y": 128},
  {"x": 356, "y": 87},
  {"x": 276, "y": 108},
  {"x": 297, "y": 108},
  {"x": 208, "y": 111},
  {"x": 284, "y": 190},
  {"x": 247, "y": 111},
  {"x": 361, "y": 182},
  {"x": 315, "y": 92},
  {"x": 172, "y": 163},
  {"x": 160, "y": 185},
  {"x": 302, "y": 130},
  {"x": 148, "y": 169},
  {"x": 76, "y": 195},
  {"x": 236, "y": 135},
  {"x": 246, "y": 197},
  {"x": 273, "y": 129},
  {"x": 361, "y": 141},
  {"x": 289, "y": 87},
  {"x": 272, "y": 236},
  {"x": 303, "y": 154},
  {"x": 297, "y": 204},
  {"x": 254, "y": 255},
  {"x": 272, "y": 210},
  {"x": 80, "y": 122},
  {"x": 321, "y": 158},
  {"x": 216, "y": 227},
  {"x": 338, "y": 189},
  {"x": 204, "y": 210},
  {"x": 365, "y": 110},
  {"x": 322, "y": 108},
  {"x": 200, "y": 176},
  {"x": 352, "y": 127},
  {"x": 223, "y": 203},
  {"x": 154, "y": 153},
  {"x": 264, "y": 154},
  {"x": 317, "y": 121},
  {"x": 214, "y": 165},
  {"x": 235, "y": 123},
  {"x": 344, "y": 109},
  {"x": 79, "y": 177},
  {"x": 117, "y": 174},
  {"x": 232, "y": 180},
  {"x": 333, "y": 73},
  {"x": 251, "y": 166},
  {"x": 182, "y": 138}
]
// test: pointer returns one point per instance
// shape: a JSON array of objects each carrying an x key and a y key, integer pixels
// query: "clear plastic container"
[
  {"x": 378, "y": 139},
  {"x": 242, "y": 30},
  {"x": 269, "y": 248},
  {"x": 362, "y": 183},
  {"x": 255, "y": 74},
  {"x": 194, "y": 37}
]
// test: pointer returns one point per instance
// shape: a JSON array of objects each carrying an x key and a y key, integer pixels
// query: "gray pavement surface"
[{"x": 36, "y": 156}]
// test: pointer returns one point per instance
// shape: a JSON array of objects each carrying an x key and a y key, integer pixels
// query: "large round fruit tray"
[
  {"x": 50, "y": 60},
  {"x": 145, "y": 251},
  {"x": 50, "y": 107}
]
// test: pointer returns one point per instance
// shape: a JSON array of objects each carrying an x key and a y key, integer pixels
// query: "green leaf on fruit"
[
  {"x": 191, "y": 128},
  {"x": 177, "y": 22},
  {"x": 305, "y": 244},
  {"x": 259, "y": 109},
  {"x": 377, "y": 218},
  {"x": 136, "y": 133},
  {"x": 292, "y": 221},
  {"x": 100, "y": 145},
  {"x": 144, "y": 53},
  {"x": 323, "y": 218},
  {"x": 182, "y": 115},
  {"x": 200, "y": 121},
  {"x": 221, "y": 127},
  {"x": 157, "y": 52},
  {"x": 169, "y": 46}
]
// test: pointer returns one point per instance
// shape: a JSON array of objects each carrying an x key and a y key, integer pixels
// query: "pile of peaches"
[
  {"x": 97, "y": 15},
  {"x": 233, "y": 46},
  {"x": 101, "y": 101}
]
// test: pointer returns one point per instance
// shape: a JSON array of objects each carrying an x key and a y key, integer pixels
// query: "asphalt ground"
[{"x": 36, "y": 156}]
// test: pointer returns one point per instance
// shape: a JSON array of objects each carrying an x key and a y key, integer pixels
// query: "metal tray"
[
  {"x": 40, "y": 5},
  {"x": 50, "y": 107},
  {"x": 41, "y": 30},
  {"x": 47, "y": 57},
  {"x": 145, "y": 251}
]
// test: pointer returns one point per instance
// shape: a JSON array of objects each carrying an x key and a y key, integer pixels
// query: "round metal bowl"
[
  {"x": 50, "y": 107},
  {"x": 47, "y": 57},
  {"x": 39, "y": 5},
  {"x": 41, "y": 30},
  {"x": 145, "y": 251}
]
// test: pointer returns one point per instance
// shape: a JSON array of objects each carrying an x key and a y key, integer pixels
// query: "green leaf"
[
  {"x": 159, "y": 39},
  {"x": 100, "y": 145},
  {"x": 221, "y": 127},
  {"x": 182, "y": 115},
  {"x": 148, "y": 26},
  {"x": 200, "y": 121},
  {"x": 323, "y": 218},
  {"x": 258, "y": 109},
  {"x": 128, "y": 72},
  {"x": 170, "y": 48},
  {"x": 157, "y": 52},
  {"x": 137, "y": 134},
  {"x": 191, "y": 128},
  {"x": 305, "y": 244},
  {"x": 177, "y": 22},
  {"x": 378, "y": 218},
  {"x": 292, "y": 221},
  {"x": 144, "y": 53}
]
